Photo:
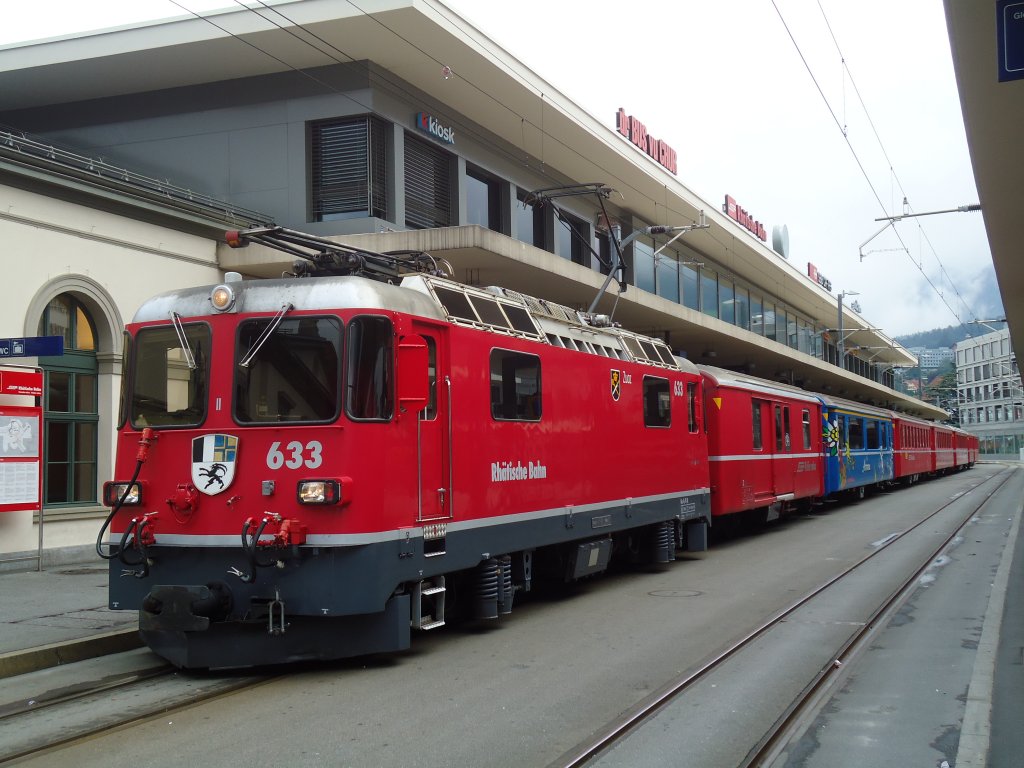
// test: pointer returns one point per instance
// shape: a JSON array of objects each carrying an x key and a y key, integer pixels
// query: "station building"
[
  {"x": 394, "y": 125},
  {"x": 989, "y": 394}
]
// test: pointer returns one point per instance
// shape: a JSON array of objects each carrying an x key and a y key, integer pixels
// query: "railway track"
[
  {"x": 791, "y": 721},
  {"x": 53, "y": 708}
]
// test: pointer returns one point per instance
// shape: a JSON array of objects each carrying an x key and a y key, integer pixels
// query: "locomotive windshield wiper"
[
  {"x": 268, "y": 331},
  {"x": 190, "y": 359}
]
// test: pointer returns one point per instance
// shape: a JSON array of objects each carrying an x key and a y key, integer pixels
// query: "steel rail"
[
  {"x": 90, "y": 732},
  {"x": 786, "y": 727},
  {"x": 647, "y": 709}
]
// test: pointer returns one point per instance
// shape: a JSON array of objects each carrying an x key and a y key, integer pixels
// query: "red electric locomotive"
[
  {"x": 308, "y": 468},
  {"x": 764, "y": 445}
]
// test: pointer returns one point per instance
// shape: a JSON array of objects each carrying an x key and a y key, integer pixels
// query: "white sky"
[{"x": 724, "y": 85}]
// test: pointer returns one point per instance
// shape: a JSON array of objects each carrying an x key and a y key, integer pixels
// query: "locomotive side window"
[
  {"x": 294, "y": 375},
  {"x": 807, "y": 429},
  {"x": 166, "y": 390},
  {"x": 515, "y": 386},
  {"x": 430, "y": 412},
  {"x": 755, "y": 415},
  {"x": 691, "y": 405},
  {"x": 369, "y": 386},
  {"x": 657, "y": 402}
]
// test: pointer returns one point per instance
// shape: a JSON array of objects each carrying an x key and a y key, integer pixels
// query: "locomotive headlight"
[
  {"x": 319, "y": 492},
  {"x": 113, "y": 491},
  {"x": 222, "y": 297}
]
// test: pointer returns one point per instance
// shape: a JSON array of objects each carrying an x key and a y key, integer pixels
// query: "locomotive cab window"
[
  {"x": 369, "y": 382},
  {"x": 755, "y": 420},
  {"x": 170, "y": 381},
  {"x": 515, "y": 386},
  {"x": 657, "y": 402},
  {"x": 293, "y": 374}
]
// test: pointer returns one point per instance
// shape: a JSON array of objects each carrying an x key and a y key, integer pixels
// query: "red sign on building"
[
  {"x": 736, "y": 213},
  {"x": 21, "y": 383},
  {"x": 636, "y": 132}
]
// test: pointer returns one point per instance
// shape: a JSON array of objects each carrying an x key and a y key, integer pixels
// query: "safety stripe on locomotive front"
[{"x": 378, "y": 537}]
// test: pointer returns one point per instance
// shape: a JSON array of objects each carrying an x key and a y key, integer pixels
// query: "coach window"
[
  {"x": 873, "y": 436},
  {"x": 290, "y": 376},
  {"x": 657, "y": 402},
  {"x": 806, "y": 418},
  {"x": 755, "y": 416},
  {"x": 369, "y": 376},
  {"x": 856, "y": 435},
  {"x": 515, "y": 386}
]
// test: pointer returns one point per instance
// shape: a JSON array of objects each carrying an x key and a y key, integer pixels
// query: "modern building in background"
[
  {"x": 392, "y": 125},
  {"x": 989, "y": 393},
  {"x": 931, "y": 359}
]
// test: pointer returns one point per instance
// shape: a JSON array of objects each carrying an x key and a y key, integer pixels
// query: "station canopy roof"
[{"x": 409, "y": 38}]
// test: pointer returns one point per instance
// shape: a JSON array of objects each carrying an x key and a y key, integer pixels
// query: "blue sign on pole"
[
  {"x": 1010, "y": 39},
  {"x": 32, "y": 346}
]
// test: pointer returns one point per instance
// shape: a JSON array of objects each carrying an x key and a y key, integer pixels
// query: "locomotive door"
[
  {"x": 782, "y": 466},
  {"x": 434, "y": 502}
]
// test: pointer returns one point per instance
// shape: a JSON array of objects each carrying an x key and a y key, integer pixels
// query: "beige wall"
[{"x": 111, "y": 264}]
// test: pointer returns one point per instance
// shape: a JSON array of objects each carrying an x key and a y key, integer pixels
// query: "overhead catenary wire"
[
  {"x": 853, "y": 151},
  {"x": 892, "y": 169}
]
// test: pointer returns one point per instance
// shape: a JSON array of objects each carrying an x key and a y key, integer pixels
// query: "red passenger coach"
[
  {"x": 966, "y": 448},
  {"x": 945, "y": 451},
  {"x": 764, "y": 444},
  {"x": 913, "y": 455}
]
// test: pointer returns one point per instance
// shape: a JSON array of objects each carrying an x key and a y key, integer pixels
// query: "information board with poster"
[
  {"x": 20, "y": 458},
  {"x": 20, "y": 439}
]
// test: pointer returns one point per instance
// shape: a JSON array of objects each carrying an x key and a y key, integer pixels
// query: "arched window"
[{"x": 70, "y": 405}]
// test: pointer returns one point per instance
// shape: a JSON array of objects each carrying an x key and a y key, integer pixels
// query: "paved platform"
[{"x": 60, "y": 615}]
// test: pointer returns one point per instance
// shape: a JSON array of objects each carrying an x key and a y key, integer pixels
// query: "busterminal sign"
[
  {"x": 32, "y": 346},
  {"x": 637, "y": 133}
]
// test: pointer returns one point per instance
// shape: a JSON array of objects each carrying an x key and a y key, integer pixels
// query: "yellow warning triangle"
[{"x": 717, "y": 401}]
